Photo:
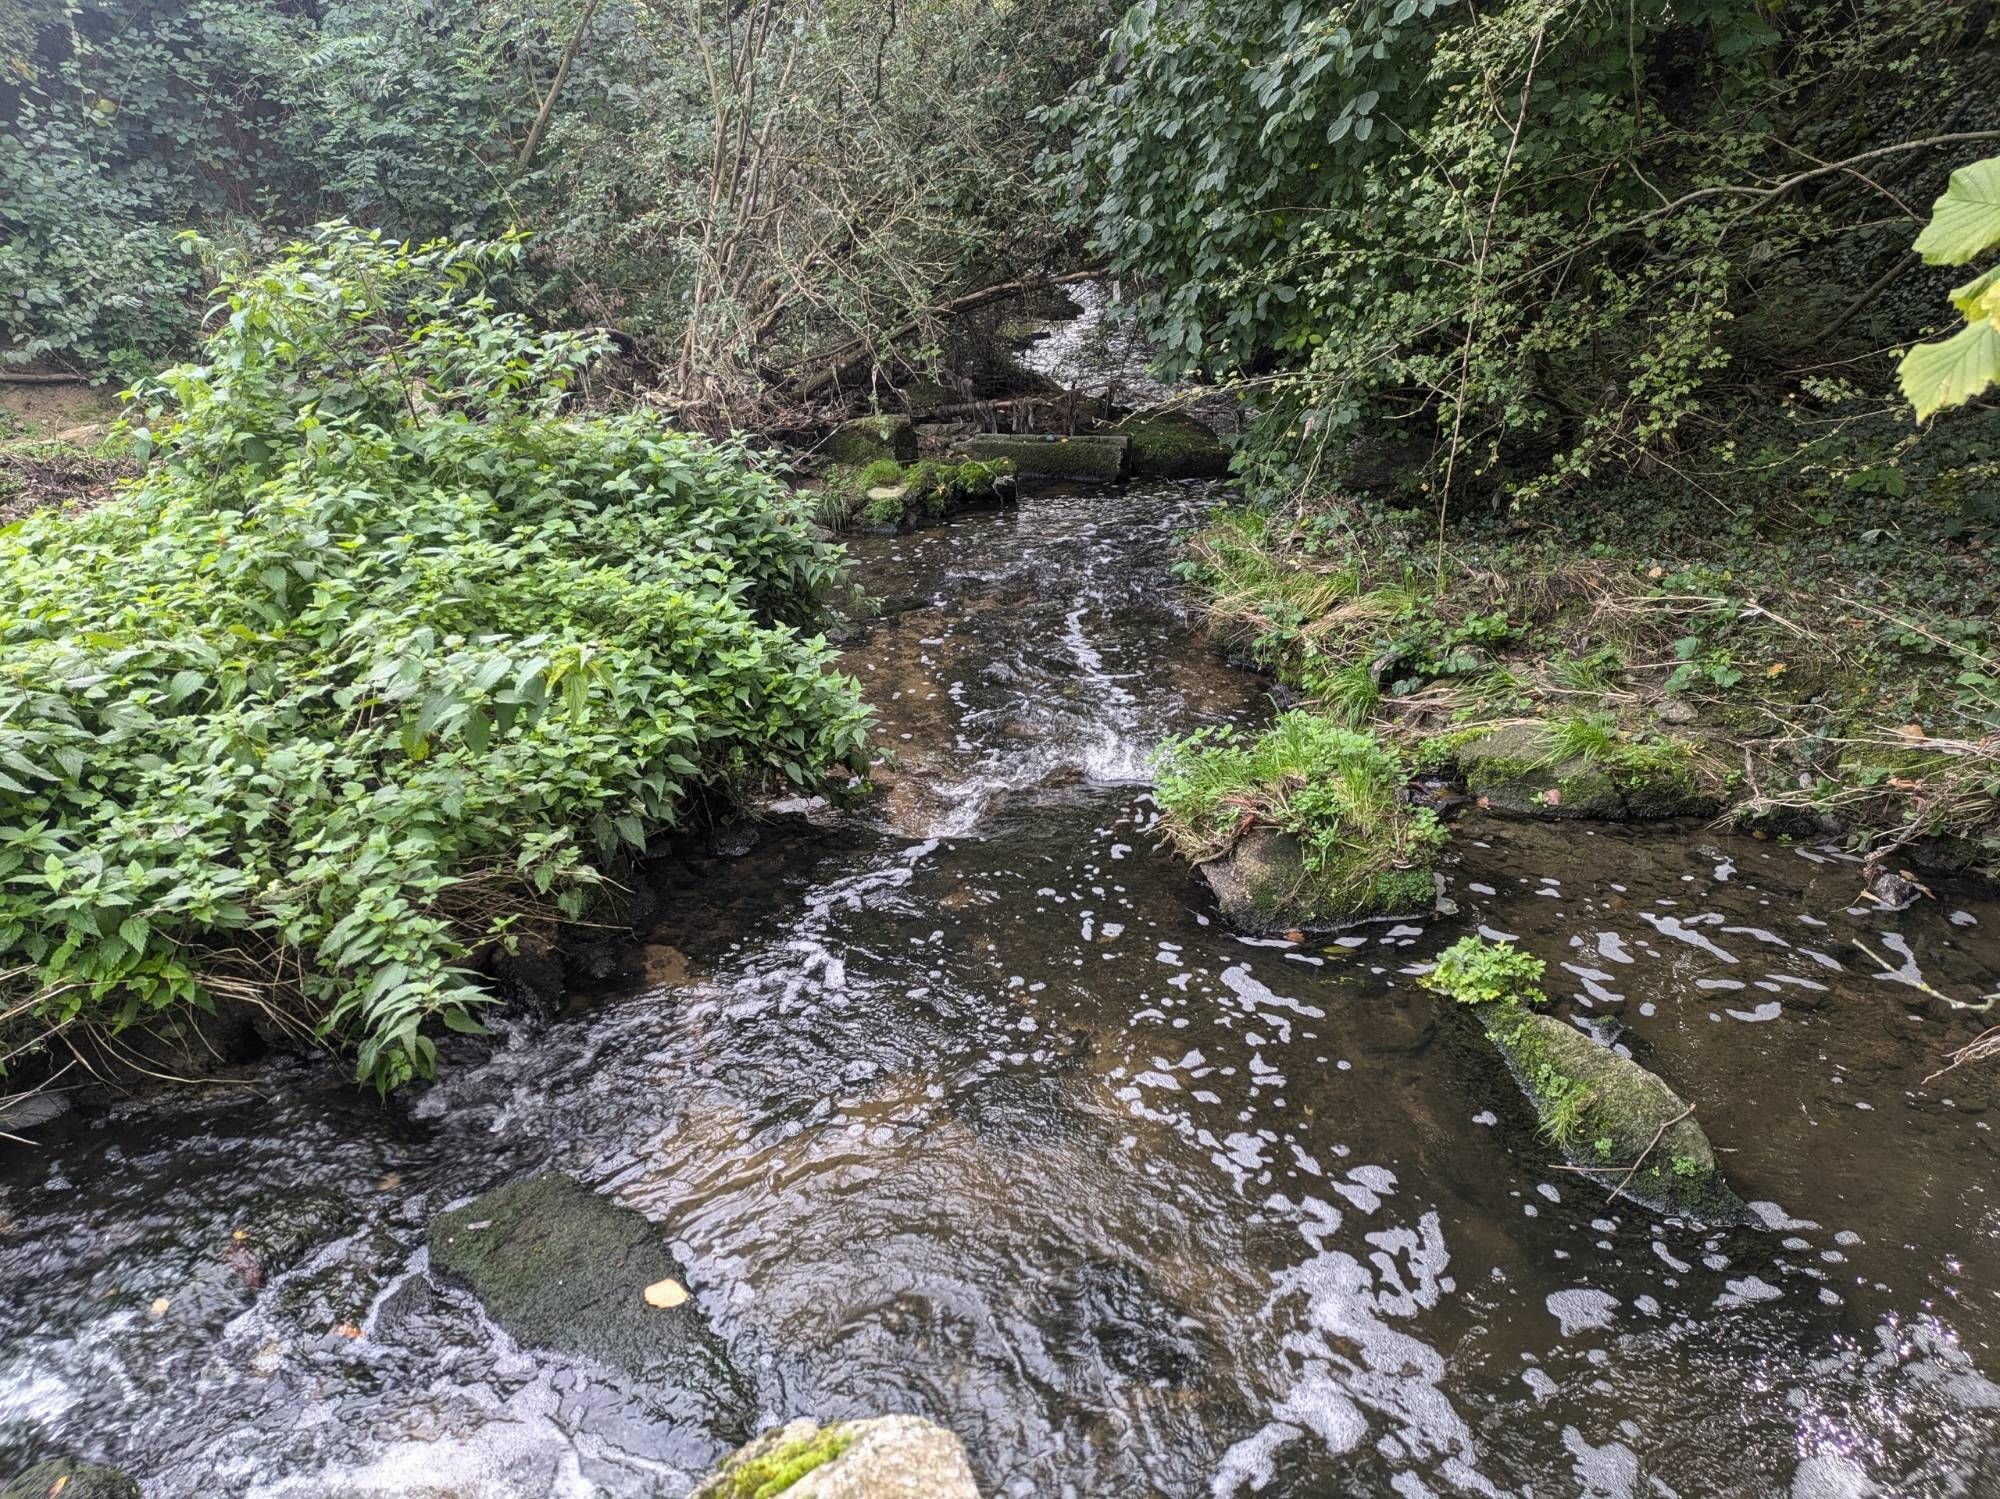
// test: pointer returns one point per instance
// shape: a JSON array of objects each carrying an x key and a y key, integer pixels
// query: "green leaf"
[
  {"x": 1952, "y": 371},
  {"x": 1966, "y": 219}
]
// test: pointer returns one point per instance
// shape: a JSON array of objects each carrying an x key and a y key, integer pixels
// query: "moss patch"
[
  {"x": 888, "y": 496},
  {"x": 1533, "y": 770},
  {"x": 761, "y": 1472},
  {"x": 1091, "y": 459}
]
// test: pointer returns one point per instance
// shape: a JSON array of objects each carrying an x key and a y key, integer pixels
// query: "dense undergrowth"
[{"x": 383, "y": 659}]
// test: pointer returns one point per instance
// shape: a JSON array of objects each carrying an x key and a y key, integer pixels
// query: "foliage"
[
  {"x": 126, "y": 125},
  {"x": 1513, "y": 247},
  {"x": 760, "y": 196},
  {"x": 1335, "y": 790},
  {"x": 383, "y": 656},
  {"x": 1474, "y": 971},
  {"x": 1965, "y": 222}
]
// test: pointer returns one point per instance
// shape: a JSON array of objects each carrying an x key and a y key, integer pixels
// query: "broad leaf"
[
  {"x": 1966, "y": 220},
  {"x": 1953, "y": 371}
]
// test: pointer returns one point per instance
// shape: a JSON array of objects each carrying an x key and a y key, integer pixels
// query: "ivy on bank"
[{"x": 383, "y": 656}]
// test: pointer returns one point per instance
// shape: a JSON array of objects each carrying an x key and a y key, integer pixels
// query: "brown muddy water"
[{"x": 966, "y": 1104}]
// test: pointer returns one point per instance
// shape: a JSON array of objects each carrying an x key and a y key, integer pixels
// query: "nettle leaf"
[
  {"x": 1965, "y": 220},
  {"x": 1952, "y": 371}
]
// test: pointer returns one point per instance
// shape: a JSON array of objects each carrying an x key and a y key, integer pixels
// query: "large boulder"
[
  {"x": 1174, "y": 445},
  {"x": 1262, "y": 885},
  {"x": 71, "y": 1480},
  {"x": 890, "y": 1457},
  {"x": 1098, "y": 458},
  {"x": 869, "y": 438},
  {"x": 559, "y": 1266},
  {"x": 1606, "y": 1112}
]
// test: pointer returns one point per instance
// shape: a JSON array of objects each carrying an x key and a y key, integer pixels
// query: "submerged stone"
[
  {"x": 69, "y": 1479},
  {"x": 1096, "y": 458},
  {"x": 1262, "y": 885},
  {"x": 889, "y": 1457},
  {"x": 1607, "y": 1112},
  {"x": 562, "y": 1267}
]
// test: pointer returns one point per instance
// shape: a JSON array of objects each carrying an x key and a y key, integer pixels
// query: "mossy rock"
[
  {"x": 868, "y": 438},
  {"x": 890, "y": 1457},
  {"x": 1174, "y": 445},
  {"x": 1262, "y": 885},
  {"x": 1605, "y": 1111},
  {"x": 887, "y": 496},
  {"x": 561, "y": 1267},
  {"x": 1098, "y": 458},
  {"x": 1510, "y": 767},
  {"x": 72, "y": 1480}
]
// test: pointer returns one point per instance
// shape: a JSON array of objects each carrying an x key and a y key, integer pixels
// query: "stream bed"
[{"x": 965, "y": 1103}]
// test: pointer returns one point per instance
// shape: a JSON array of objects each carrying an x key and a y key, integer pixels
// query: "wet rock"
[
  {"x": 561, "y": 1267},
  {"x": 71, "y": 1480},
  {"x": 1894, "y": 890},
  {"x": 1173, "y": 445},
  {"x": 1096, "y": 458},
  {"x": 1606, "y": 1111},
  {"x": 868, "y": 438},
  {"x": 889, "y": 1457},
  {"x": 1261, "y": 885}
]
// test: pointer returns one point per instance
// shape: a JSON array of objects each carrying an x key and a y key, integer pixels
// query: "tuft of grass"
[{"x": 1589, "y": 737}]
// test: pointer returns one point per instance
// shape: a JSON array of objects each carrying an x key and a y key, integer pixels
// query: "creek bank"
[
  {"x": 559, "y": 1266},
  {"x": 888, "y": 1457}
]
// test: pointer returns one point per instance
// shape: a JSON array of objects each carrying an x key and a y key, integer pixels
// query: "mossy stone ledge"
[
  {"x": 1606, "y": 1112},
  {"x": 1096, "y": 458},
  {"x": 1512, "y": 769},
  {"x": 888, "y": 1457},
  {"x": 1174, "y": 445}
]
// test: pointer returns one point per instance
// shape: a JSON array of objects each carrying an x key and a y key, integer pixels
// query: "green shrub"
[
  {"x": 382, "y": 656},
  {"x": 1476, "y": 972},
  {"x": 1335, "y": 790}
]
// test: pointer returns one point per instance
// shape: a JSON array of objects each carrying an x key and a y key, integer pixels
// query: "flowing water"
[{"x": 966, "y": 1104}]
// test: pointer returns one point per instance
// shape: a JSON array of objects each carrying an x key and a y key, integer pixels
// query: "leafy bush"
[
  {"x": 1474, "y": 971},
  {"x": 1333, "y": 789},
  {"x": 382, "y": 656},
  {"x": 1965, "y": 222}
]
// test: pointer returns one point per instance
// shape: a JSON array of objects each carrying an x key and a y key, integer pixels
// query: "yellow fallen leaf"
[
  {"x": 159, "y": 1307},
  {"x": 1910, "y": 731},
  {"x": 666, "y": 1294},
  {"x": 1775, "y": 669},
  {"x": 346, "y": 1330}
]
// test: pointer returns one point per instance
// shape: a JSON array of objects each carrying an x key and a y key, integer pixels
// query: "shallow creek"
[{"x": 964, "y": 1103}]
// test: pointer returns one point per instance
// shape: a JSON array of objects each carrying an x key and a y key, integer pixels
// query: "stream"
[{"x": 965, "y": 1103}]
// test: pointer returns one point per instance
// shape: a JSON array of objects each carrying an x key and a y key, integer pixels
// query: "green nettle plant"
[
  {"x": 1965, "y": 223},
  {"x": 384, "y": 656}
]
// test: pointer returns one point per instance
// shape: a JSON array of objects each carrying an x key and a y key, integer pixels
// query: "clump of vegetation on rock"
[
  {"x": 888, "y": 495},
  {"x": 384, "y": 658},
  {"x": 1603, "y": 1111},
  {"x": 1302, "y": 825}
]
